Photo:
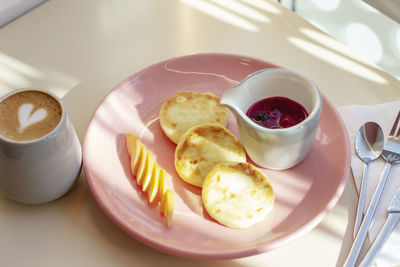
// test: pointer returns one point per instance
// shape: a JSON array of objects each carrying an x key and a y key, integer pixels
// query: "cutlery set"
[{"x": 370, "y": 139}]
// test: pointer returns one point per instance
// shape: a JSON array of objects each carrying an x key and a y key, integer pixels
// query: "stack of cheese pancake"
[{"x": 208, "y": 155}]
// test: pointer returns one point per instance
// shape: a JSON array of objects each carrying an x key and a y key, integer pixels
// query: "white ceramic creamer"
[{"x": 275, "y": 148}]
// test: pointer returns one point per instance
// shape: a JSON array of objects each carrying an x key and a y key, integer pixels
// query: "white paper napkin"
[{"x": 384, "y": 115}]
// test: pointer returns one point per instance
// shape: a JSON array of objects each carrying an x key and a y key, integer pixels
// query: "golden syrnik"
[
  {"x": 186, "y": 109},
  {"x": 237, "y": 195},
  {"x": 204, "y": 146}
]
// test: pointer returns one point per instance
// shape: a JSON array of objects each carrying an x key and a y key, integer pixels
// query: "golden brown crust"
[
  {"x": 204, "y": 146},
  {"x": 187, "y": 109}
]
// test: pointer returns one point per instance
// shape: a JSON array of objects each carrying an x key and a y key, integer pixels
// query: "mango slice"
[
  {"x": 149, "y": 175},
  {"x": 143, "y": 166},
  {"x": 167, "y": 205},
  {"x": 154, "y": 184},
  {"x": 137, "y": 156},
  {"x": 163, "y": 204},
  {"x": 149, "y": 172},
  {"x": 131, "y": 140},
  {"x": 162, "y": 183}
]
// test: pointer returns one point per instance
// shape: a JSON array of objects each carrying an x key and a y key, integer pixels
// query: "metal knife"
[{"x": 391, "y": 221}]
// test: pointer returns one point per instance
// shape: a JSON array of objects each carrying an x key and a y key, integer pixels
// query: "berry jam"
[{"x": 277, "y": 112}]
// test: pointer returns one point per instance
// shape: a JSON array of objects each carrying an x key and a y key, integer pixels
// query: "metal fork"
[{"x": 391, "y": 153}]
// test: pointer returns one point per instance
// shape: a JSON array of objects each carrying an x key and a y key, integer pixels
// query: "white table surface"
[{"x": 80, "y": 50}]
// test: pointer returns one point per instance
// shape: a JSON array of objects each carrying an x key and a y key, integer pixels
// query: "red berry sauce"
[{"x": 277, "y": 112}]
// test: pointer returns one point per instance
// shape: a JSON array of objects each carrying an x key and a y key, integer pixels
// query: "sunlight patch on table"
[
  {"x": 222, "y": 14},
  {"x": 15, "y": 74},
  {"x": 59, "y": 83},
  {"x": 327, "y": 41},
  {"x": 242, "y": 9},
  {"x": 337, "y": 60},
  {"x": 261, "y": 4}
]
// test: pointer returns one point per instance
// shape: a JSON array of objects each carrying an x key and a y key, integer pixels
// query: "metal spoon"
[{"x": 369, "y": 145}]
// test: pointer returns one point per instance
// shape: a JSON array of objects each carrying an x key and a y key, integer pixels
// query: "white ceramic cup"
[
  {"x": 276, "y": 149},
  {"x": 43, "y": 169}
]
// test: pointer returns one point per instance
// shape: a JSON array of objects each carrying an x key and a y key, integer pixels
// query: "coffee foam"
[
  {"x": 27, "y": 118},
  {"x": 28, "y": 115}
]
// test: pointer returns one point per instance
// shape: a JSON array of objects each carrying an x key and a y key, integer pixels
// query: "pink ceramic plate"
[{"x": 304, "y": 194}]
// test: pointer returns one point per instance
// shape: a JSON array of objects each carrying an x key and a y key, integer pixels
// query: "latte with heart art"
[{"x": 29, "y": 115}]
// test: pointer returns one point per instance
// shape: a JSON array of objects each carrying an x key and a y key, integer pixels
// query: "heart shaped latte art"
[{"x": 27, "y": 118}]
